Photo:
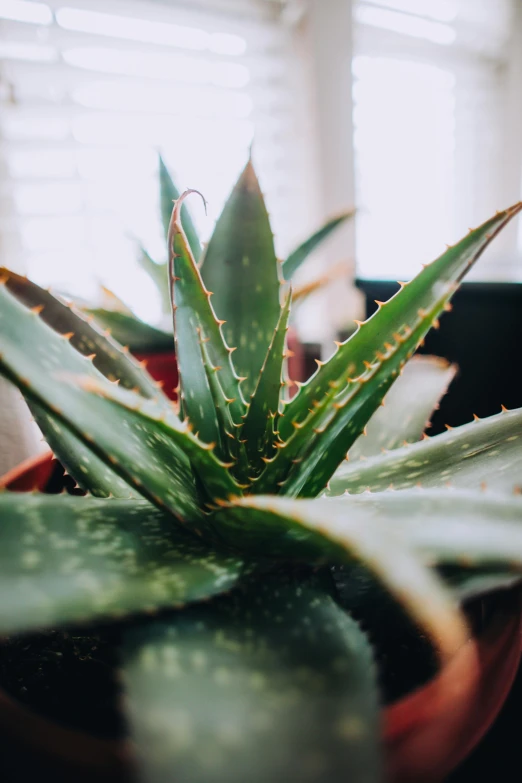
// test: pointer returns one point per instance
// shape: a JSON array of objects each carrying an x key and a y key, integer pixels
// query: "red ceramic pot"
[
  {"x": 32, "y": 474},
  {"x": 163, "y": 368},
  {"x": 426, "y": 734}
]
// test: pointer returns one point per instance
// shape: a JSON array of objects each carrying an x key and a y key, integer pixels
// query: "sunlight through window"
[
  {"x": 404, "y": 142},
  {"x": 92, "y": 92}
]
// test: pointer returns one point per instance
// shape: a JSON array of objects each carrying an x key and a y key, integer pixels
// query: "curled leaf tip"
[{"x": 178, "y": 203}]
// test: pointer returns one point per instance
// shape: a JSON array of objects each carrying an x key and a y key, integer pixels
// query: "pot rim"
[
  {"x": 446, "y": 718},
  {"x": 31, "y": 463}
]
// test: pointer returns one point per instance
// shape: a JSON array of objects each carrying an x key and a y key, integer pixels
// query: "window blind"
[
  {"x": 429, "y": 115},
  {"x": 91, "y": 91}
]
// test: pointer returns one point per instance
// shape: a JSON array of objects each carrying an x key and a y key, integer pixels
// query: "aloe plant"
[
  {"x": 142, "y": 337},
  {"x": 237, "y": 513}
]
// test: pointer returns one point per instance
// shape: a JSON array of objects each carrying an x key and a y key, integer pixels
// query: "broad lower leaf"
[
  {"x": 132, "y": 332},
  {"x": 448, "y": 526},
  {"x": 336, "y": 419},
  {"x": 263, "y": 412},
  {"x": 272, "y": 683},
  {"x": 407, "y": 407},
  {"x": 341, "y": 533},
  {"x": 429, "y": 293},
  {"x": 193, "y": 317},
  {"x": 168, "y": 194},
  {"x": 484, "y": 453},
  {"x": 41, "y": 363},
  {"x": 445, "y": 525},
  {"x": 301, "y": 253},
  {"x": 70, "y": 559},
  {"x": 240, "y": 268}
]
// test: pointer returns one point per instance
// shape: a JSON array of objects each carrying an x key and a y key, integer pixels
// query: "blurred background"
[{"x": 411, "y": 110}]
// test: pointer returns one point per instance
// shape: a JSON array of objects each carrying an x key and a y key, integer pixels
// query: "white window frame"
[{"x": 331, "y": 36}]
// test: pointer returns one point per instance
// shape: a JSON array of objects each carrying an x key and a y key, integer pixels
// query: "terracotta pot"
[
  {"x": 163, "y": 368},
  {"x": 426, "y": 734},
  {"x": 32, "y": 474}
]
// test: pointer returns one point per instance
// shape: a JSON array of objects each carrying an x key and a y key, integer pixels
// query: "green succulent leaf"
[
  {"x": 271, "y": 683},
  {"x": 228, "y": 446},
  {"x": 132, "y": 332},
  {"x": 304, "y": 464},
  {"x": 444, "y": 525},
  {"x": 483, "y": 453},
  {"x": 193, "y": 317},
  {"x": 69, "y": 559},
  {"x": 342, "y": 532},
  {"x": 428, "y": 293},
  {"x": 168, "y": 194},
  {"x": 474, "y": 540},
  {"x": 263, "y": 412},
  {"x": 306, "y": 248},
  {"x": 162, "y": 427},
  {"x": 90, "y": 473},
  {"x": 240, "y": 268},
  {"x": 336, "y": 419},
  {"x": 158, "y": 273},
  {"x": 41, "y": 363},
  {"x": 63, "y": 318},
  {"x": 407, "y": 407},
  {"x": 392, "y": 534},
  {"x": 360, "y": 594}
]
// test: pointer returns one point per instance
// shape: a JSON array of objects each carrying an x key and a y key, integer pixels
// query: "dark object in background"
[{"x": 481, "y": 335}]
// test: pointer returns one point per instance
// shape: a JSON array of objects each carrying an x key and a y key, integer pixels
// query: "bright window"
[
  {"x": 91, "y": 91},
  {"x": 429, "y": 85}
]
